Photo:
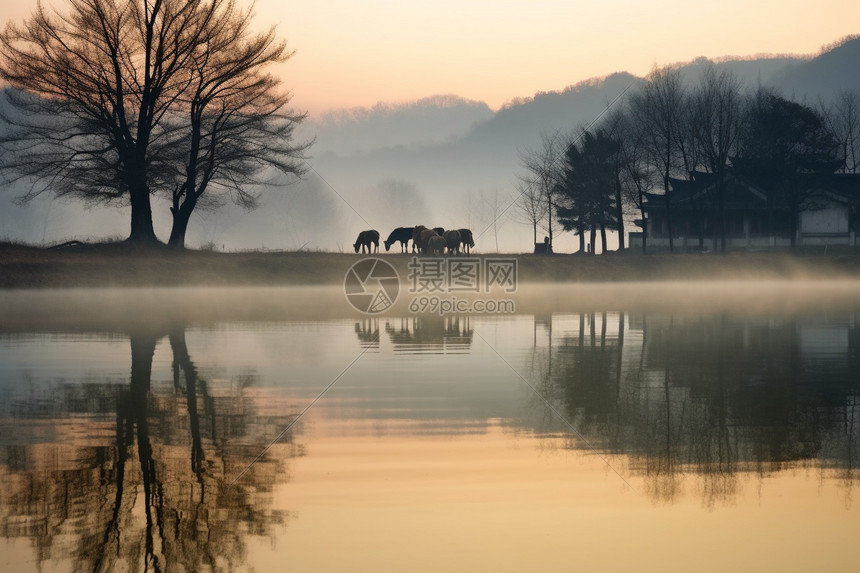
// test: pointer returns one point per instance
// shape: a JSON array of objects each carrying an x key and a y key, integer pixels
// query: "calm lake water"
[{"x": 607, "y": 427}]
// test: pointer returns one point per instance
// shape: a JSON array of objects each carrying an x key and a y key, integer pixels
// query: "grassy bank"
[{"x": 122, "y": 265}]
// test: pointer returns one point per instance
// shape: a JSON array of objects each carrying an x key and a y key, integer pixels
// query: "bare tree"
[
  {"x": 660, "y": 106},
  {"x": 843, "y": 119},
  {"x": 543, "y": 166},
  {"x": 530, "y": 207},
  {"x": 716, "y": 115},
  {"x": 237, "y": 122},
  {"x": 631, "y": 181},
  {"x": 635, "y": 173},
  {"x": 90, "y": 89},
  {"x": 491, "y": 211},
  {"x": 115, "y": 100}
]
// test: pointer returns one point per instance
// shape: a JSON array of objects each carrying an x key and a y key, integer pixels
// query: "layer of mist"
[{"x": 125, "y": 308}]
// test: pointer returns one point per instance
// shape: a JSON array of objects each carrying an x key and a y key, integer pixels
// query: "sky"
[{"x": 351, "y": 53}]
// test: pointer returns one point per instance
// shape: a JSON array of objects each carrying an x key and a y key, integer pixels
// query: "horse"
[
  {"x": 452, "y": 238},
  {"x": 439, "y": 231},
  {"x": 365, "y": 239},
  {"x": 401, "y": 234},
  {"x": 467, "y": 240},
  {"x": 435, "y": 244},
  {"x": 424, "y": 238},
  {"x": 416, "y": 237}
]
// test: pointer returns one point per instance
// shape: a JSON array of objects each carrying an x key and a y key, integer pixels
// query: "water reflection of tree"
[
  {"x": 715, "y": 397},
  {"x": 156, "y": 489}
]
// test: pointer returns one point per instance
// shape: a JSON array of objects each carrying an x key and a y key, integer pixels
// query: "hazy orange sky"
[{"x": 357, "y": 53}]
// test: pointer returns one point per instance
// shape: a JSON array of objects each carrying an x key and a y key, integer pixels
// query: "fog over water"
[
  {"x": 20, "y": 310},
  {"x": 291, "y": 429}
]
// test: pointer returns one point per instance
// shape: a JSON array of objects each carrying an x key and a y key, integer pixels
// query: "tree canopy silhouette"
[
  {"x": 587, "y": 191},
  {"x": 784, "y": 147}
]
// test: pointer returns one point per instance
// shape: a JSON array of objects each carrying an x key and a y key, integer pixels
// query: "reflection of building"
[
  {"x": 711, "y": 396},
  {"x": 431, "y": 334},
  {"x": 828, "y": 205}
]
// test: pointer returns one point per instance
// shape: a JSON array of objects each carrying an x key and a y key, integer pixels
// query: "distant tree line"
[
  {"x": 595, "y": 181},
  {"x": 116, "y": 101}
]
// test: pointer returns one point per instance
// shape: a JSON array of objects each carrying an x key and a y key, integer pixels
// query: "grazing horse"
[
  {"x": 424, "y": 239},
  {"x": 365, "y": 239},
  {"x": 435, "y": 245},
  {"x": 416, "y": 237},
  {"x": 401, "y": 234},
  {"x": 452, "y": 238},
  {"x": 467, "y": 240}
]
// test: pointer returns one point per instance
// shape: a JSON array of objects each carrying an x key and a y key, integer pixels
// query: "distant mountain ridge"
[
  {"x": 835, "y": 69},
  {"x": 427, "y": 121},
  {"x": 437, "y": 120}
]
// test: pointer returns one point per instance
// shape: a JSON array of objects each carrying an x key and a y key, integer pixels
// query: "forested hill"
[{"x": 443, "y": 120}]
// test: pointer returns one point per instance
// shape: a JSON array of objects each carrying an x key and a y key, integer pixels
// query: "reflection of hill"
[
  {"x": 431, "y": 334},
  {"x": 712, "y": 396},
  {"x": 143, "y": 476}
]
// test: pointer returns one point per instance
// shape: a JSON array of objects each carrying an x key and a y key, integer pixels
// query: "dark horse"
[
  {"x": 365, "y": 239},
  {"x": 452, "y": 238},
  {"x": 401, "y": 234},
  {"x": 467, "y": 240}
]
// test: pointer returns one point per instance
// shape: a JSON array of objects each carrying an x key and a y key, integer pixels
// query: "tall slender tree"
[
  {"x": 842, "y": 115},
  {"x": 660, "y": 105},
  {"x": 716, "y": 114}
]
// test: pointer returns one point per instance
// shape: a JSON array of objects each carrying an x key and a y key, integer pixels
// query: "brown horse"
[
  {"x": 365, "y": 239},
  {"x": 467, "y": 240},
  {"x": 452, "y": 238},
  {"x": 424, "y": 239},
  {"x": 435, "y": 244},
  {"x": 416, "y": 237}
]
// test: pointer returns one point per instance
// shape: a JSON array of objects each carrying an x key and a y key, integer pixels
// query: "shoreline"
[{"x": 120, "y": 265}]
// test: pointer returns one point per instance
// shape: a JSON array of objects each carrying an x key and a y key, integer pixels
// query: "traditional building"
[{"x": 826, "y": 211}]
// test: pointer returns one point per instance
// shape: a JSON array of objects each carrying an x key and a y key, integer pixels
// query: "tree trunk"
[
  {"x": 619, "y": 213},
  {"x": 593, "y": 237},
  {"x": 721, "y": 210},
  {"x": 142, "y": 230},
  {"x": 549, "y": 207},
  {"x": 603, "y": 236},
  {"x": 181, "y": 218},
  {"x": 669, "y": 215}
]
